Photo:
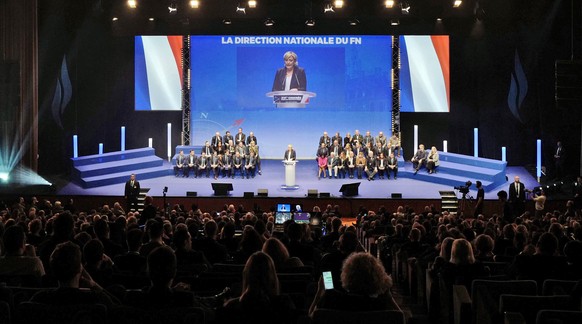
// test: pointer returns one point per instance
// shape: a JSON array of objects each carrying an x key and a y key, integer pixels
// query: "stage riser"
[
  {"x": 133, "y": 164},
  {"x": 471, "y": 175},
  {"x": 473, "y": 161},
  {"x": 113, "y": 156},
  {"x": 123, "y": 178}
]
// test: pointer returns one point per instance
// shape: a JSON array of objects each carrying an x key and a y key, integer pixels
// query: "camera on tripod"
[{"x": 464, "y": 189}]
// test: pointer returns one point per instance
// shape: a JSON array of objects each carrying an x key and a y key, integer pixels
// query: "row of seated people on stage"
[
  {"x": 359, "y": 156},
  {"x": 222, "y": 157},
  {"x": 89, "y": 249},
  {"x": 428, "y": 159}
]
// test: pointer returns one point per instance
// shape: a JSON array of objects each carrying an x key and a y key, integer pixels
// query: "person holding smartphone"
[{"x": 365, "y": 287}]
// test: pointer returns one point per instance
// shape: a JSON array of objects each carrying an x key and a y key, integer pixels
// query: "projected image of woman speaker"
[{"x": 291, "y": 77}]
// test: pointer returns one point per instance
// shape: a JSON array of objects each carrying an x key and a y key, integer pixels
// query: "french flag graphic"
[
  {"x": 424, "y": 74},
  {"x": 158, "y": 73}
]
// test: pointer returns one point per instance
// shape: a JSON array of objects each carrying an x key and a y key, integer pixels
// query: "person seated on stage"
[
  {"x": 348, "y": 139},
  {"x": 322, "y": 150},
  {"x": 237, "y": 165},
  {"x": 360, "y": 164},
  {"x": 336, "y": 148},
  {"x": 419, "y": 158},
  {"x": 251, "y": 138},
  {"x": 251, "y": 165},
  {"x": 337, "y": 137},
  {"x": 366, "y": 287},
  {"x": 325, "y": 139},
  {"x": 392, "y": 166},
  {"x": 358, "y": 148},
  {"x": 357, "y": 138},
  {"x": 203, "y": 165},
  {"x": 219, "y": 149},
  {"x": 379, "y": 148},
  {"x": 368, "y": 139},
  {"x": 332, "y": 163},
  {"x": 381, "y": 139},
  {"x": 191, "y": 163},
  {"x": 321, "y": 164},
  {"x": 290, "y": 154},
  {"x": 371, "y": 166},
  {"x": 231, "y": 148},
  {"x": 348, "y": 148},
  {"x": 394, "y": 145},
  {"x": 242, "y": 150},
  {"x": 382, "y": 163},
  {"x": 226, "y": 161},
  {"x": 369, "y": 149},
  {"x": 206, "y": 149},
  {"x": 227, "y": 140},
  {"x": 432, "y": 160},
  {"x": 240, "y": 137},
  {"x": 215, "y": 164},
  {"x": 216, "y": 139},
  {"x": 254, "y": 148},
  {"x": 179, "y": 168},
  {"x": 341, "y": 165},
  {"x": 350, "y": 164}
]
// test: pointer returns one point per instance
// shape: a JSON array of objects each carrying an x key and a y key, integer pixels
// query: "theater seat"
[
  {"x": 528, "y": 306},
  {"x": 331, "y": 316},
  {"x": 485, "y": 297},
  {"x": 547, "y": 316}
]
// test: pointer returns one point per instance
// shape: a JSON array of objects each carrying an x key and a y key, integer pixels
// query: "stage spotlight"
[
  {"x": 405, "y": 7},
  {"x": 241, "y": 10},
  {"x": 227, "y": 21},
  {"x": 114, "y": 19},
  {"x": 328, "y": 8},
  {"x": 389, "y": 4},
  {"x": 173, "y": 8},
  {"x": 132, "y": 4},
  {"x": 194, "y": 4},
  {"x": 151, "y": 19},
  {"x": 310, "y": 22},
  {"x": 252, "y": 3},
  {"x": 394, "y": 22},
  {"x": 4, "y": 176},
  {"x": 439, "y": 20},
  {"x": 338, "y": 3},
  {"x": 353, "y": 22},
  {"x": 457, "y": 3},
  {"x": 269, "y": 22}
]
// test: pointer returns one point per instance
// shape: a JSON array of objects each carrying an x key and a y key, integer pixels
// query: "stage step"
[
  {"x": 443, "y": 178},
  {"x": 472, "y": 161},
  {"x": 116, "y": 167},
  {"x": 113, "y": 156}
]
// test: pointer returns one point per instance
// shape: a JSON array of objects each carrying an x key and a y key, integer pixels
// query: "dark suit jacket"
[
  {"x": 298, "y": 80},
  {"x": 251, "y": 139},
  {"x": 132, "y": 192},
  {"x": 287, "y": 157},
  {"x": 513, "y": 192}
]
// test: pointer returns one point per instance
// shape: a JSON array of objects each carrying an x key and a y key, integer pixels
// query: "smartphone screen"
[{"x": 327, "y": 280}]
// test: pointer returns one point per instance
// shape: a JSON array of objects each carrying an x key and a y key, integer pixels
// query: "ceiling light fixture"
[
  {"x": 241, "y": 10},
  {"x": 114, "y": 19},
  {"x": 389, "y": 4},
  {"x": 353, "y": 22},
  {"x": 227, "y": 21},
  {"x": 194, "y": 4},
  {"x": 269, "y": 22},
  {"x": 151, "y": 19},
  {"x": 310, "y": 22},
  {"x": 405, "y": 7},
  {"x": 252, "y": 3},
  {"x": 457, "y": 3},
  {"x": 173, "y": 8},
  {"x": 328, "y": 8},
  {"x": 132, "y": 4},
  {"x": 338, "y": 4},
  {"x": 394, "y": 22}
]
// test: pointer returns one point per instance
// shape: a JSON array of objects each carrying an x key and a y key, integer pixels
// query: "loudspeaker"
[
  {"x": 324, "y": 195},
  {"x": 248, "y": 194},
  {"x": 350, "y": 189},
  {"x": 191, "y": 194},
  {"x": 312, "y": 193},
  {"x": 396, "y": 195},
  {"x": 221, "y": 189},
  {"x": 262, "y": 192}
]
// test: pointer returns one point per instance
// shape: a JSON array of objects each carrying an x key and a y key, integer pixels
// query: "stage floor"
[{"x": 273, "y": 177}]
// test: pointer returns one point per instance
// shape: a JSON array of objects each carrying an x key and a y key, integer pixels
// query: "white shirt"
[{"x": 288, "y": 82}]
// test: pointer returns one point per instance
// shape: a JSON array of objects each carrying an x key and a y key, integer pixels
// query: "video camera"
[{"x": 464, "y": 189}]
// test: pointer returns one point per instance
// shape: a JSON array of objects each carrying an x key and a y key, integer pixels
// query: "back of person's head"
[
  {"x": 547, "y": 244},
  {"x": 210, "y": 229},
  {"x": 363, "y": 274},
  {"x": 134, "y": 239},
  {"x": 556, "y": 229},
  {"x": 484, "y": 244},
  {"x": 336, "y": 223},
  {"x": 446, "y": 247},
  {"x": 414, "y": 235},
  {"x": 508, "y": 231},
  {"x": 162, "y": 266},
  {"x": 462, "y": 252},
  {"x": 14, "y": 240},
  {"x": 63, "y": 225},
  {"x": 250, "y": 240},
  {"x": 65, "y": 261},
  {"x": 181, "y": 238},
  {"x": 101, "y": 229},
  {"x": 259, "y": 277},
  {"x": 294, "y": 231},
  {"x": 93, "y": 252},
  {"x": 502, "y": 195},
  {"x": 155, "y": 230},
  {"x": 277, "y": 251},
  {"x": 348, "y": 242}
]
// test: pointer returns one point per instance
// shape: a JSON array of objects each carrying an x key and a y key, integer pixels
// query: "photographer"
[
  {"x": 540, "y": 200},
  {"x": 480, "y": 199}
]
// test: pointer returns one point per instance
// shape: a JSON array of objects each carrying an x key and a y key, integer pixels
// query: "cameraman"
[
  {"x": 540, "y": 201},
  {"x": 480, "y": 199}
]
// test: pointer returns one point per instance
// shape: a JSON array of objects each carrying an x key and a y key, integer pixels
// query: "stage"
[{"x": 409, "y": 185}]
